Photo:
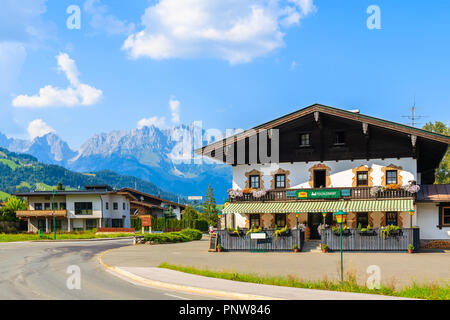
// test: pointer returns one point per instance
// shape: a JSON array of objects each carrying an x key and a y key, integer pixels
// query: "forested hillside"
[{"x": 22, "y": 172}]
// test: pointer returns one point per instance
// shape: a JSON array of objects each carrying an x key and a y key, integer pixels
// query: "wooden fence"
[
  {"x": 357, "y": 241},
  {"x": 233, "y": 242}
]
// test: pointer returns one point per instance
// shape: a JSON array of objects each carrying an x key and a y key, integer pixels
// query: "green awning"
[
  {"x": 380, "y": 205},
  {"x": 255, "y": 207},
  {"x": 314, "y": 206},
  {"x": 321, "y": 206}
]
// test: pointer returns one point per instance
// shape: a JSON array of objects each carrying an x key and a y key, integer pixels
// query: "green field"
[
  {"x": 4, "y": 237},
  {"x": 9, "y": 163}
]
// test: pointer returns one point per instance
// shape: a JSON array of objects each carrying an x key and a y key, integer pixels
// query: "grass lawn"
[
  {"x": 431, "y": 291},
  {"x": 5, "y": 237}
]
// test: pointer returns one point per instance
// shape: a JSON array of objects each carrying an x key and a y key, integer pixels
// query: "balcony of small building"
[
  {"x": 305, "y": 194},
  {"x": 41, "y": 213}
]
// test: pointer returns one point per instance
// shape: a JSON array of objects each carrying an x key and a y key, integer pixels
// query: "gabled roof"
[
  {"x": 330, "y": 111},
  {"x": 129, "y": 190}
]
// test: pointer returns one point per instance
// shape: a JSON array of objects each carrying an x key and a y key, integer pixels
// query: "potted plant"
[
  {"x": 234, "y": 232},
  {"x": 295, "y": 248},
  {"x": 325, "y": 248},
  {"x": 410, "y": 248},
  {"x": 390, "y": 231},
  {"x": 219, "y": 248},
  {"x": 337, "y": 230},
  {"x": 281, "y": 232},
  {"x": 368, "y": 231},
  {"x": 253, "y": 229}
]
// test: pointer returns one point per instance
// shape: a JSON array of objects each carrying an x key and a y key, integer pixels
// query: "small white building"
[{"x": 75, "y": 210}]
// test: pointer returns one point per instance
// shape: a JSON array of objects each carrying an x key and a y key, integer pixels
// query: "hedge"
[{"x": 172, "y": 237}]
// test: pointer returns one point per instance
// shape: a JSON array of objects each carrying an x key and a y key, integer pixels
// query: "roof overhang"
[{"x": 206, "y": 150}]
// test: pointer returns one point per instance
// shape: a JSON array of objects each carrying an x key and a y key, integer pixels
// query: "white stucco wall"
[
  {"x": 110, "y": 213},
  {"x": 96, "y": 206},
  {"x": 427, "y": 220},
  {"x": 341, "y": 174}
]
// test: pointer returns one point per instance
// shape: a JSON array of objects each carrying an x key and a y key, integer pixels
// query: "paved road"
[
  {"x": 37, "y": 270},
  {"x": 398, "y": 269}
]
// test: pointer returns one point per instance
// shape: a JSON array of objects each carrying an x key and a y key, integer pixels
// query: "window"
[
  {"x": 391, "y": 218},
  {"x": 91, "y": 224},
  {"x": 117, "y": 223},
  {"x": 362, "y": 178},
  {"x": 339, "y": 138},
  {"x": 62, "y": 206},
  {"x": 107, "y": 205},
  {"x": 123, "y": 205},
  {"x": 320, "y": 178},
  {"x": 38, "y": 206},
  {"x": 47, "y": 206},
  {"x": 363, "y": 219},
  {"x": 115, "y": 206},
  {"x": 254, "y": 182},
  {"x": 304, "y": 140},
  {"x": 446, "y": 216},
  {"x": 280, "y": 220},
  {"x": 83, "y": 208},
  {"x": 254, "y": 220},
  {"x": 391, "y": 177},
  {"x": 280, "y": 181}
]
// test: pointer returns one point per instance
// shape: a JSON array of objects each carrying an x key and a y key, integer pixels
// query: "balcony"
[
  {"x": 351, "y": 193},
  {"x": 41, "y": 213}
]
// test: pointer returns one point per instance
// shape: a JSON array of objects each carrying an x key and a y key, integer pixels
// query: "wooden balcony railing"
[
  {"x": 345, "y": 193},
  {"x": 40, "y": 213}
]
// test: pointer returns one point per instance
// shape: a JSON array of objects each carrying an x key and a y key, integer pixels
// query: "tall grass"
[{"x": 429, "y": 291}]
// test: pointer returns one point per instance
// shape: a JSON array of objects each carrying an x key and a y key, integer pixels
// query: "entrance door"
[
  {"x": 314, "y": 220},
  {"x": 319, "y": 178}
]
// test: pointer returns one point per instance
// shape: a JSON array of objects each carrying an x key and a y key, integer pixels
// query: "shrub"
[{"x": 192, "y": 233}]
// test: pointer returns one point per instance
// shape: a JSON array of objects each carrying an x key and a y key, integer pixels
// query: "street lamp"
[
  {"x": 340, "y": 218},
  {"x": 219, "y": 215},
  {"x": 296, "y": 219},
  {"x": 411, "y": 213}
]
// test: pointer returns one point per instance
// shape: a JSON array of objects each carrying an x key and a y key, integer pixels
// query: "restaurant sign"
[{"x": 318, "y": 194}]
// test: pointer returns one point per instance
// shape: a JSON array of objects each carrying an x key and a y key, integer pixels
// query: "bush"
[
  {"x": 168, "y": 237},
  {"x": 201, "y": 225},
  {"x": 192, "y": 233},
  {"x": 172, "y": 237}
]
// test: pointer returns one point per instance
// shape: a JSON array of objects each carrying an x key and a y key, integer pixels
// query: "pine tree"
[{"x": 209, "y": 207}]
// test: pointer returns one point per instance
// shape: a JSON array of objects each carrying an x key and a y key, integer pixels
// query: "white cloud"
[
  {"x": 175, "y": 109},
  {"x": 153, "y": 121},
  {"x": 235, "y": 30},
  {"x": 75, "y": 95},
  {"x": 38, "y": 128},
  {"x": 160, "y": 122},
  {"x": 102, "y": 20}
]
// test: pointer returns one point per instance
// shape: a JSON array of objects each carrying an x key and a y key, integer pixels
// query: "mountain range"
[
  {"x": 23, "y": 173},
  {"x": 160, "y": 156}
]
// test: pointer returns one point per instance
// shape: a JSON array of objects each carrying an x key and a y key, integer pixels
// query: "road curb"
[{"x": 177, "y": 287}]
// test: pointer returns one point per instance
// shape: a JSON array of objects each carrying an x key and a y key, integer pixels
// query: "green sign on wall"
[{"x": 318, "y": 194}]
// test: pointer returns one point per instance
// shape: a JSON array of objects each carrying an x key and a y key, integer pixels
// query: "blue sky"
[{"x": 231, "y": 66}]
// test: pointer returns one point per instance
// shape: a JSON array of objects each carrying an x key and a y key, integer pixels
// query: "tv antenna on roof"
[{"x": 413, "y": 116}]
